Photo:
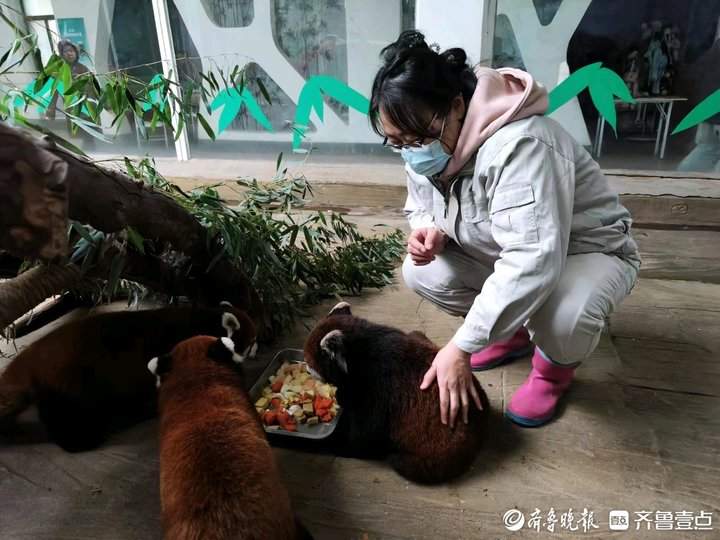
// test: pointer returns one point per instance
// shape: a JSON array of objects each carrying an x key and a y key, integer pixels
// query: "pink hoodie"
[{"x": 501, "y": 96}]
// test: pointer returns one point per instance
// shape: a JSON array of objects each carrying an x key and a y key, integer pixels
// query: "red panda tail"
[{"x": 16, "y": 394}]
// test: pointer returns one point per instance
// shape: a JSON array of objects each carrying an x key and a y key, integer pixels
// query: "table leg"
[
  {"x": 667, "y": 126},
  {"x": 597, "y": 134},
  {"x": 661, "y": 116}
]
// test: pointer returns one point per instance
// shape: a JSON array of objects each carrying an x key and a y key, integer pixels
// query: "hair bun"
[
  {"x": 455, "y": 58},
  {"x": 407, "y": 41},
  {"x": 411, "y": 39}
]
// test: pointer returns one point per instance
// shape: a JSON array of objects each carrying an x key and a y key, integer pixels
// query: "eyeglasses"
[{"x": 419, "y": 142}]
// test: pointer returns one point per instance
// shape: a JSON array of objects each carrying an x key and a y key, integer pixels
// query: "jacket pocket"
[
  {"x": 512, "y": 213},
  {"x": 474, "y": 206}
]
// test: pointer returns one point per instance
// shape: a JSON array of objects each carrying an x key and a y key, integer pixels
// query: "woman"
[
  {"x": 69, "y": 52},
  {"x": 514, "y": 226}
]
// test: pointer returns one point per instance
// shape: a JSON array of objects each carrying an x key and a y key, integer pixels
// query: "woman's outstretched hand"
[
  {"x": 425, "y": 243},
  {"x": 451, "y": 368}
]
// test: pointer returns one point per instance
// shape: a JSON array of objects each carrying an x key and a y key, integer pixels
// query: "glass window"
[
  {"x": 316, "y": 46},
  {"x": 667, "y": 54}
]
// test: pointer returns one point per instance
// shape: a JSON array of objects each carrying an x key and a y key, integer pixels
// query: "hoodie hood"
[
  {"x": 501, "y": 96},
  {"x": 65, "y": 44}
]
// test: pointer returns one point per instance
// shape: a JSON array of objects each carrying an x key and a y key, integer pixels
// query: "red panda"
[
  {"x": 378, "y": 370},
  {"x": 218, "y": 476},
  {"x": 90, "y": 375}
]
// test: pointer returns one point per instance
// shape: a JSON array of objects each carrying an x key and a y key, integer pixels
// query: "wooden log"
[
  {"x": 109, "y": 201},
  {"x": 677, "y": 254},
  {"x": 673, "y": 212},
  {"x": 33, "y": 199}
]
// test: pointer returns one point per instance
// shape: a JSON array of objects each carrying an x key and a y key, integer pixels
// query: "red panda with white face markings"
[
  {"x": 378, "y": 370},
  {"x": 90, "y": 375},
  {"x": 218, "y": 476}
]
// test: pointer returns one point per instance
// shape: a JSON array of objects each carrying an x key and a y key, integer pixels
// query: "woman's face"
[
  {"x": 69, "y": 55},
  {"x": 447, "y": 134}
]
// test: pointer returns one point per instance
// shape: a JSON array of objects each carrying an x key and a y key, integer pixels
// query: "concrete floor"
[{"x": 639, "y": 431}]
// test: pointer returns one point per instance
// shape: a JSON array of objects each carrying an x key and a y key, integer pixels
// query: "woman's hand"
[
  {"x": 425, "y": 243},
  {"x": 451, "y": 367}
]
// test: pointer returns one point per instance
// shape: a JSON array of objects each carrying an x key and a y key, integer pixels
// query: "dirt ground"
[{"x": 639, "y": 431}]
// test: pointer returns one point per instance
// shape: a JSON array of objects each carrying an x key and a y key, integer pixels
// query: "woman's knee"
[
  {"x": 568, "y": 342},
  {"x": 409, "y": 273},
  {"x": 437, "y": 277}
]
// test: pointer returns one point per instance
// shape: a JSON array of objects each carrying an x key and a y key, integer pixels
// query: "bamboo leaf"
[
  {"x": 180, "y": 126},
  {"x": 263, "y": 90},
  {"x": 206, "y": 126},
  {"x": 5, "y": 56},
  {"x": 708, "y": 107},
  {"x": 340, "y": 91},
  {"x": 603, "y": 100},
  {"x": 136, "y": 239},
  {"x": 571, "y": 87},
  {"x": 117, "y": 265},
  {"x": 82, "y": 231}
]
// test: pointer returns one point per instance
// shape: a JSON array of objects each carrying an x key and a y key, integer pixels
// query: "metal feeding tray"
[{"x": 318, "y": 431}]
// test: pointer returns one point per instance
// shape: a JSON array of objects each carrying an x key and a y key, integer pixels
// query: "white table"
[{"x": 664, "y": 106}]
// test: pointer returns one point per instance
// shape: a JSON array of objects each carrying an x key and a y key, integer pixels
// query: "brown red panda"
[
  {"x": 90, "y": 375},
  {"x": 218, "y": 476},
  {"x": 378, "y": 371}
]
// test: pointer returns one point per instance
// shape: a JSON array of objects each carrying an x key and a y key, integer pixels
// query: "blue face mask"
[{"x": 428, "y": 159}]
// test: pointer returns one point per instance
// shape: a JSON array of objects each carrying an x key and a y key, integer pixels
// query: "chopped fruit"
[{"x": 293, "y": 396}]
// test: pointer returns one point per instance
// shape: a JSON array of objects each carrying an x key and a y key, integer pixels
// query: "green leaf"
[
  {"x": 340, "y": 91},
  {"x": 65, "y": 75},
  {"x": 5, "y": 56},
  {"x": 615, "y": 84},
  {"x": 311, "y": 98},
  {"x": 206, "y": 126},
  {"x": 117, "y": 266},
  {"x": 231, "y": 101},
  {"x": 708, "y": 107},
  {"x": 136, "y": 239},
  {"x": 132, "y": 171},
  {"x": 180, "y": 126},
  {"x": 130, "y": 97},
  {"x": 604, "y": 102},
  {"x": 82, "y": 231},
  {"x": 263, "y": 90},
  {"x": 571, "y": 87}
]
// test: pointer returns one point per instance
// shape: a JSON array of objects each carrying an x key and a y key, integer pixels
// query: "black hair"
[
  {"x": 65, "y": 43},
  {"x": 414, "y": 80}
]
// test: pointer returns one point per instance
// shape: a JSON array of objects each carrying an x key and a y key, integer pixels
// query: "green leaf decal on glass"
[
  {"x": 155, "y": 95},
  {"x": 231, "y": 101},
  {"x": 708, "y": 107},
  {"x": 603, "y": 84},
  {"x": 311, "y": 98}
]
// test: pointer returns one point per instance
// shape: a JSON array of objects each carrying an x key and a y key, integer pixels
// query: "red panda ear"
[
  {"x": 160, "y": 365},
  {"x": 333, "y": 346},
  {"x": 223, "y": 350},
  {"x": 230, "y": 323},
  {"x": 343, "y": 308}
]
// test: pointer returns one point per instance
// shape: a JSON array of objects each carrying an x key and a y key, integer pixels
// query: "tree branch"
[{"x": 65, "y": 186}]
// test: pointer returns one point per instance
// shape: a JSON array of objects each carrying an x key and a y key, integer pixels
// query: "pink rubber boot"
[
  {"x": 502, "y": 351},
  {"x": 533, "y": 404}
]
